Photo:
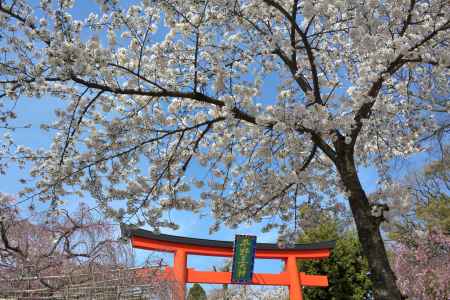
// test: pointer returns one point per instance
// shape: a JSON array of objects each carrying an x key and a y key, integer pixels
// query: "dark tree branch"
[
  {"x": 309, "y": 52},
  {"x": 365, "y": 110},
  {"x": 69, "y": 133},
  {"x": 309, "y": 159},
  {"x": 408, "y": 18}
]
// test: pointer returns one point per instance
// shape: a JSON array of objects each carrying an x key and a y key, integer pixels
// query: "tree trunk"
[{"x": 368, "y": 227}]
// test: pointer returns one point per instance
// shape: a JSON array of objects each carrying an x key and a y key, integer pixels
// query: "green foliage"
[
  {"x": 432, "y": 190},
  {"x": 196, "y": 292},
  {"x": 346, "y": 268},
  {"x": 436, "y": 213}
]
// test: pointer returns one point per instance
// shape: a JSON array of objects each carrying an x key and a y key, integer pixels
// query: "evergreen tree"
[
  {"x": 347, "y": 268},
  {"x": 196, "y": 292}
]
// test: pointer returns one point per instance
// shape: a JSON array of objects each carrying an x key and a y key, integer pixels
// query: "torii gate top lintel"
[
  {"x": 183, "y": 246},
  {"x": 170, "y": 243}
]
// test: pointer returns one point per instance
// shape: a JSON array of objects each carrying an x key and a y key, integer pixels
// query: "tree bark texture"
[{"x": 368, "y": 228}]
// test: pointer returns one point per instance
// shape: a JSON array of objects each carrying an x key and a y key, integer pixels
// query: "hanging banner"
[{"x": 243, "y": 259}]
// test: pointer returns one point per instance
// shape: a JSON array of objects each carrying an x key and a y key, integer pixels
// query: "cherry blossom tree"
[
  {"x": 74, "y": 254},
  {"x": 166, "y": 95},
  {"x": 41, "y": 245},
  {"x": 423, "y": 268}
]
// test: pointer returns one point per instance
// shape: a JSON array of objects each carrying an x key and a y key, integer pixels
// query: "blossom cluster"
[{"x": 423, "y": 269}]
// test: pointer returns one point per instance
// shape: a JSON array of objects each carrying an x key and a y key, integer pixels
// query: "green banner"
[{"x": 243, "y": 259}]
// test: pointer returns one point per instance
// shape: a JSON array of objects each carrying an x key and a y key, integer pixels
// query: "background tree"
[
  {"x": 420, "y": 201},
  {"x": 430, "y": 188},
  {"x": 77, "y": 254},
  {"x": 422, "y": 267},
  {"x": 57, "y": 243},
  {"x": 347, "y": 268},
  {"x": 223, "y": 294},
  {"x": 420, "y": 231},
  {"x": 196, "y": 292},
  {"x": 179, "y": 83}
]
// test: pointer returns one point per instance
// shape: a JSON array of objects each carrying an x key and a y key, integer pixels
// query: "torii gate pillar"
[
  {"x": 180, "y": 272},
  {"x": 295, "y": 287}
]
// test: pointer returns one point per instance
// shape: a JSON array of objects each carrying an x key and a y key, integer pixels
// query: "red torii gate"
[{"x": 183, "y": 246}]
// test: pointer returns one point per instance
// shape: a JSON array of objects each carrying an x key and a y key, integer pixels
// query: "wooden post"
[
  {"x": 295, "y": 288},
  {"x": 180, "y": 270}
]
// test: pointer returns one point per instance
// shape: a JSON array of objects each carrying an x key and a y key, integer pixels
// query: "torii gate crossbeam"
[{"x": 183, "y": 246}]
